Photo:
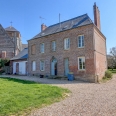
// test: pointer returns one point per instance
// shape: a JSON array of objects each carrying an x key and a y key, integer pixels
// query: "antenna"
[
  {"x": 59, "y": 20},
  {"x": 41, "y": 18},
  {"x": 11, "y": 23}
]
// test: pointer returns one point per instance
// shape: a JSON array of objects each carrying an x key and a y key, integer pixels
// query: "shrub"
[{"x": 108, "y": 74}]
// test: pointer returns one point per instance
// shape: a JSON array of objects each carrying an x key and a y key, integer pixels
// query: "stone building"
[
  {"x": 10, "y": 42},
  {"x": 76, "y": 45}
]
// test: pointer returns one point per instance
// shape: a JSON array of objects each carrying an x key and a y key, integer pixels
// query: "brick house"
[{"x": 76, "y": 45}]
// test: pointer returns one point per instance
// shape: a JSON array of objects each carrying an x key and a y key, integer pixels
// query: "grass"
[
  {"x": 104, "y": 80},
  {"x": 19, "y": 97},
  {"x": 113, "y": 71}
]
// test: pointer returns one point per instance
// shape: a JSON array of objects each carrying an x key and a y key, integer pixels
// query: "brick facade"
[{"x": 94, "y": 52}]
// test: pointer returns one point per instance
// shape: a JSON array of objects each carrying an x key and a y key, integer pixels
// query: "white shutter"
[
  {"x": 64, "y": 43},
  {"x": 53, "y": 46},
  {"x": 34, "y": 65}
]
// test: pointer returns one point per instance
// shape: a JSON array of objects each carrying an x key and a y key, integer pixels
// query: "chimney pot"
[
  {"x": 43, "y": 27},
  {"x": 96, "y": 16}
]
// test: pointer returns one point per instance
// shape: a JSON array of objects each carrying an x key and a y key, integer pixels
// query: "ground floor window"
[
  {"x": 81, "y": 63},
  {"x": 33, "y": 65},
  {"x": 42, "y": 65}
]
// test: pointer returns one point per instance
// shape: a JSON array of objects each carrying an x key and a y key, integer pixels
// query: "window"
[
  {"x": 66, "y": 43},
  {"x": 42, "y": 47},
  {"x": 33, "y": 49},
  {"x": 42, "y": 65},
  {"x": 3, "y": 54},
  {"x": 81, "y": 41},
  {"x": 53, "y": 45},
  {"x": 81, "y": 63},
  {"x": 33, "y": 65}
]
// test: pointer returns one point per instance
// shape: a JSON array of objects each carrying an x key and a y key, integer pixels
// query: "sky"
[{"x": 25, "y": 15}]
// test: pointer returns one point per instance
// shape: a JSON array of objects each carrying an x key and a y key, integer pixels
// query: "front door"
[
  {"x": 66, "y": 66},
  {"x": 54, "y": 67}
]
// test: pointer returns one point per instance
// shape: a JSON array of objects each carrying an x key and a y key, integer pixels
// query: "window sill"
[
  {"x": 80, "y": 47},
  {"x": 41, "y": 52},
  {"x": 66, "y": 49},
  {"x": 42, "y": 70},
  {"x": 81, "y": 69}
]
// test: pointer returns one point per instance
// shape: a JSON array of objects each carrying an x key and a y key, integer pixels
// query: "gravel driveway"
[{"x": 86, "y": 99}]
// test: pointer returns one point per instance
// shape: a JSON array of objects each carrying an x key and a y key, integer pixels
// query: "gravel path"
[{"x": 86, "y": 99}]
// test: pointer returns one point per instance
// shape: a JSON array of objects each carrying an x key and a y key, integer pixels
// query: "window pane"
[
  {"x": 79, "y": 41},
  {"x": 82, "y": 41},
  {"x": 53, "y": 46},
  {"x": 42, "y": 65},
  {"x": 42, "y": 48},
  {"x": 68, "y": 43},
  {"x": 81, "y": 62}
]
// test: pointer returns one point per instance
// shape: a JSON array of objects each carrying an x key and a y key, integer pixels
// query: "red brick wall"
[{"x": 100, "y": 54}]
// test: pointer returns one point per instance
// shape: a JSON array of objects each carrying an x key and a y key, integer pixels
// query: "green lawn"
[
  {"x": 20, "y": 97},
  {"x": 113, "y": 71}
]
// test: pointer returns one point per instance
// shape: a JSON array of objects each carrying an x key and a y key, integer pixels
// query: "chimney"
[
  {"x": 96, "y": 16},
  {"x": 43, "y": 27}
]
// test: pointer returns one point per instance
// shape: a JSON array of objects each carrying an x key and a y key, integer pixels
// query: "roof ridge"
[{"x": 68, "y": 20}]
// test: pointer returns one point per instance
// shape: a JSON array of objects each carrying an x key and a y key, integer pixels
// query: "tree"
[
  {"x": 113, "y": 55},
  {"x": 3, "y": 62}
]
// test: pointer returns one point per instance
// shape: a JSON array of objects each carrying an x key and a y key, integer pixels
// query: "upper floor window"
[
  {"x": 53, "y": 45},
  {"x": 66, "y": 43},
  {"x": 81, "y": 41},
  {"x": 33, "y": 65},
  {"x": 42, "y": 65},
  {"x": 42, "y": 47},
  {"x": 3, "y": 54},
  {"x": 33, "y": 49},
  {"x": 81, "y": 63}
]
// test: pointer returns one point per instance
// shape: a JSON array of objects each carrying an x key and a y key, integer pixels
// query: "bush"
[{"x": 108, "y": 74}]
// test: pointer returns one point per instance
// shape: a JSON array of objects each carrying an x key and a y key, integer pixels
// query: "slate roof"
[
  {"x": 22, "y": 55},
  {"x": 66, "y": 25},
  {"x": 10, "y": 28},
  {"x": 24, "y": 46}
]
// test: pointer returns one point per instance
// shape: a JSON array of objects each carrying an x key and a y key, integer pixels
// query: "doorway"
[
  {"x": 53, "y": 66},
  {"x": 17, "y": 68},
  {"x": 66, "y": 66}
]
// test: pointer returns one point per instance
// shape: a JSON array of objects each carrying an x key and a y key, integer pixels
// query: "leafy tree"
[{"x": 113, "y": 55}]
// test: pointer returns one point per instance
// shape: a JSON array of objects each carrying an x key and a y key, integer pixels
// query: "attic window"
[
  {"x": 64, "y": 27},
  {"x": 43, "y": 34}
]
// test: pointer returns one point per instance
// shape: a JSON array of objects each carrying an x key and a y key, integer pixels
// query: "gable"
[{"x": 5, "y": 40}]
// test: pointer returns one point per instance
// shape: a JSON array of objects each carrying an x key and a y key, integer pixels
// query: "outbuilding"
[{"x": 19, "y": 63}]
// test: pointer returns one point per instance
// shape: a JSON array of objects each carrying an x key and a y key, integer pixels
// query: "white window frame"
[
  {"x": 83, "y": 60},
  {"x": 67, "y": 43},
  {"x": 33, "y": 65},
  {"x": 81, "y": 42},
  {"x": 42, "y": 67},
  {"x": 53, "y": 45},
  {"x": 42, "y": 48}
]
